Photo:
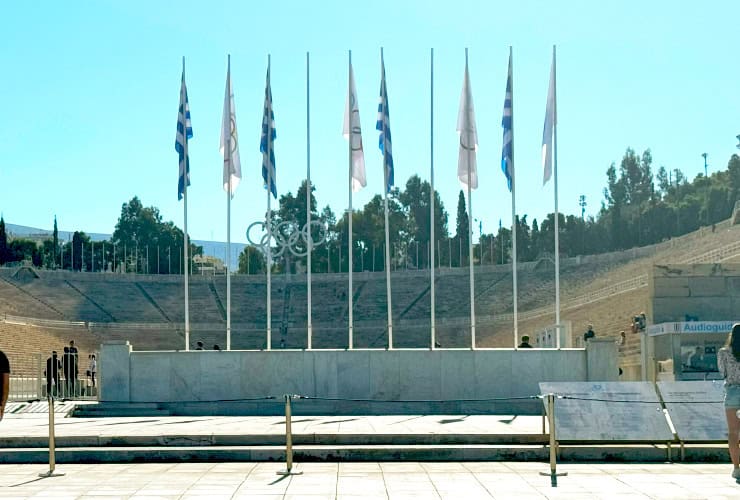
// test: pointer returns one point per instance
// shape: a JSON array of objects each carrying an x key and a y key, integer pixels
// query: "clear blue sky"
[{"x": 89, "y": 95}]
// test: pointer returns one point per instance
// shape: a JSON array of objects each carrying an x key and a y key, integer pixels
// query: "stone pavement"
[
  {"x": 36, "y": 425},
  {"x": 368, "y": 480}
]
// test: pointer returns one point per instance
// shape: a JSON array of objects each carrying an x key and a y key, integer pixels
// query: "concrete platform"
[{"x": 369, "y": 480}]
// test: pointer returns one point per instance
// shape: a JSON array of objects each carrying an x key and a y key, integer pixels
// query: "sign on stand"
[
  {"x": 696, "y": 409},
  {"x": 608, "y": 411}
]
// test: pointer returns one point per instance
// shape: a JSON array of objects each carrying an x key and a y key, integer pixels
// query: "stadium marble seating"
[{"x": 111, "y": 301}]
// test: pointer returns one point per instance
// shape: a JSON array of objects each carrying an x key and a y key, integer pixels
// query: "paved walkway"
[
  {"x": 36, "y": 425},
  {"x": 409, "y": 480}
]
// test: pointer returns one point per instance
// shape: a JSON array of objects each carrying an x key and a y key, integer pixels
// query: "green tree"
[
  {"x": 3, "y": 242},
  {"x": 55, "y": 244},
  {"x": 502, "y": 245},
  {"x": 140, "y": 231},
  {"x": 251, "y": 261},
  {"x": 663, "y": 182},
  {"x": 462, "y": 232},
  {"x": 415, "y": 200},
  {"x": 292, "y": 217},
  {"x": 80, "y": 251},
  {"x": 21, "y": 250},
  {"x": 369, "y": 228}
]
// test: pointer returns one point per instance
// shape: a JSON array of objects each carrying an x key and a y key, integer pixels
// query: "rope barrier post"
[
  {"x": 52, "y": 442},
  {"x": 553, "y": 443},
  {"x": 288, "y": 441},
  {"x": 544, "y": 416}
]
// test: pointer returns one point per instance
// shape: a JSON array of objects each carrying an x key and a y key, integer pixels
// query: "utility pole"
[{"x": 704, "y": 155}]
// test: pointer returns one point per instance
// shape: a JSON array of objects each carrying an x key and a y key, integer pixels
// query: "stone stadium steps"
[
  {"x": 152, "y": 302},
  {"x": 359, "y": 453},
  {"x": 609, "y": 317},
  {"x": 41, "y": 296},
  {"x": 456, "y": 445},
  {"x": 107, "y": 316},
  {"x": 66, "y": 299},
  {"x": 23, "y": 301},
  {"x": 166, "y": 337},
  {"x": 22, "y": 342}
]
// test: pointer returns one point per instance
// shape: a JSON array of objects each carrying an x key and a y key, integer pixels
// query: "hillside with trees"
[{"x": 639, "y": 208}]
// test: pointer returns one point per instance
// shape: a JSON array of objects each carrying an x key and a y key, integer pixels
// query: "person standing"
[
  {"x": 589, "y": 334},
  {"x": 92, "y": 368},
  {"x": 53, "y": 365},
  {"x": 74, "y": 367},
  {"x": 728, "y": 362},
  {"x": 4, "y": 382},
  {"x": 67, "y": 370},
  {"x": 525, "y": 343}
]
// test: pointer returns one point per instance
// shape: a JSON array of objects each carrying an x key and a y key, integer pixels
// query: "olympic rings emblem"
[{"x": 287, "y": 236}]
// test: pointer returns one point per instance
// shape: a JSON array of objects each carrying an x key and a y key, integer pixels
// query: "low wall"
[
  {"x": 422, "y": 376},
  {"x": 707, "y": 292}
]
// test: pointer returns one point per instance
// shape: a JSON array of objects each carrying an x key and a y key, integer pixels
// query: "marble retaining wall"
[{"x": 397, "y": 375}]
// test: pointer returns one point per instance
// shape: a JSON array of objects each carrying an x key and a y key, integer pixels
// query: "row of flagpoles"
[{"x": 467, "y": 173}]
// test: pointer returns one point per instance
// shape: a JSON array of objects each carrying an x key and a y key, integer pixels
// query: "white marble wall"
[
  {"x": 177, "y": 376},
  {"x": 114, "y": 366}
]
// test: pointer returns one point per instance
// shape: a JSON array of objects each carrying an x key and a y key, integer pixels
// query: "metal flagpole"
[
  {"x": 349, "y": 212},
  {"x": 309, "y": 242},
  {"x": 513, "y": 203},
  {"x": 185, "y": 218},
  {"x": 269, "y": 215},
  {"x": 387, "y": 234},
  {"x": 470, "y": 230},
  {"x": 433, "y": 339},
  {"x": 557, "y": 215},
  {"x": 227, "y": 160}
]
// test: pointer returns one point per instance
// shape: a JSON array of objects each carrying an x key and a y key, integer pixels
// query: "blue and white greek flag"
[
  {"x": 507, "y": 153},
  {"x": 384, "y": 126},
  {"x": 184, "y": 133},
  {"x": 267, "y": 141}
]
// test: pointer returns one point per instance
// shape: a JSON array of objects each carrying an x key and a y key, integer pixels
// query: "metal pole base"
[
  {"x": 553, "y": 477},
  {"x": 51, "y": 473},
  {"x": 286, "y": 472}
]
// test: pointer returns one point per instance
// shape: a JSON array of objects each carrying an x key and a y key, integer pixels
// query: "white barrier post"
[
  {"x": 553, "y": 443},
  {"x": 52, "y": 442},
  {"x": 288, "y": 442}
]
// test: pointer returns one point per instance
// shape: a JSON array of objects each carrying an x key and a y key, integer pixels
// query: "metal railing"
[{"x": 29, "y": 379}]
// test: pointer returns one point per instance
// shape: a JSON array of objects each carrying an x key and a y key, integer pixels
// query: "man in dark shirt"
[
  {"x": 53, "y": 365},
  {"x": 525, "y": 342},
  {"x": 589, "y": 333},
  {"x": 74, "y": 366},
  {"x": 4, "y": 382},
  {"x": 68, "y": 373}
]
